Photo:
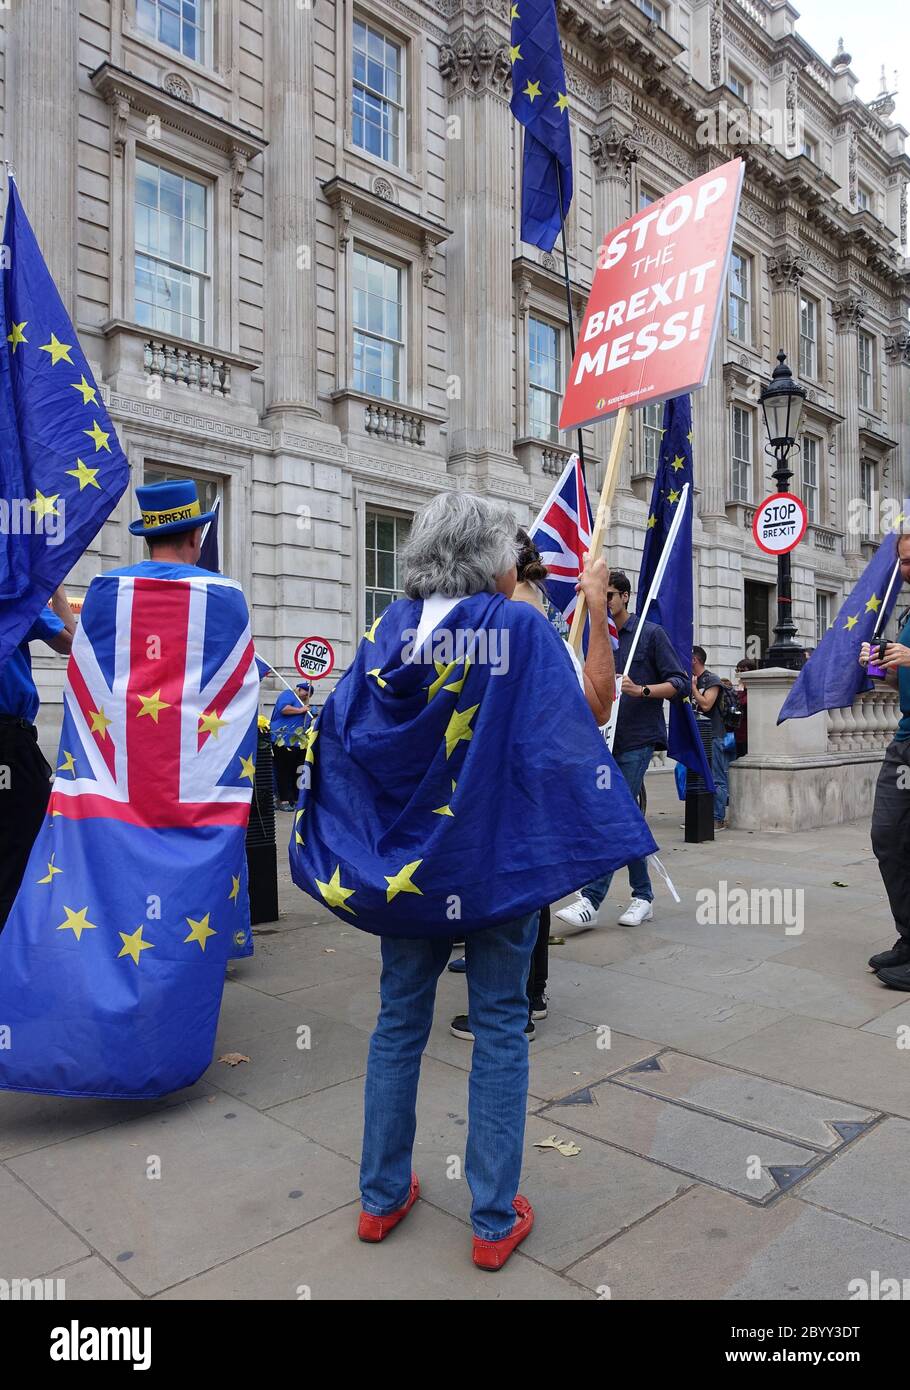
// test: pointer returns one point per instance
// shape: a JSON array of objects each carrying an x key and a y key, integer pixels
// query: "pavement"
[{"x": 735, "y": 1082}]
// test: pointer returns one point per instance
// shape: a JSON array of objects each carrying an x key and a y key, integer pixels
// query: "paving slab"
[
  {"x": 735, "y": 974},
  {"x": 93, "y": 1280},
  {"x": 280, "y": 1070},
  {"x": 33, "y": 1121},
  {"x": 847, "y": 1063},
  {"x": 293, "y": 961},
  {"x": 734, "y": 1095},
  {"x": 892, "y": 1023},
  {"x": 33, "y": 1240},
  {"x": 700, "y": 1146},
  {"x": 230, "y": 1179},
  {"x": 670, "y": 1014},
  {"x": 555, "y": 1071},
  {"x": 868, "y": 1181},
  {"x": 710, "y": 1245},
  {"x": 840, "y": 957},
  {"x": 427, "y": 1258}
]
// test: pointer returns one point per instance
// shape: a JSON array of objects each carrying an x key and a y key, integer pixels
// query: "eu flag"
[
  {"x": 672, "y": 609},
  {"x": 540, "y": 102},
  {"x": 832, "y": 677},
  {"x": 62, "y": 470},
  {"x": 435, "y": 801}
]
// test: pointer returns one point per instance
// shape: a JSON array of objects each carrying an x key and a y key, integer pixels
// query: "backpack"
[{"x": 731, "y": 711}]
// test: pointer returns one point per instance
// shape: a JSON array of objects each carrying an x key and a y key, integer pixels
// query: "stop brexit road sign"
[
  {"x": 780, "y": 523},
  {"x": 649, "y": 328}
]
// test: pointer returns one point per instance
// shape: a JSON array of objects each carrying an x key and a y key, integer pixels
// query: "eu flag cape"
[
  {"x": 832, "y": 677},
  {"x": 673, "y": 608},
  {"x": 289, "y": 730},
  {"x": 62, "y": 469},
  {"x": 112, "y": 960},
  {"x": 458, "y": 785}
]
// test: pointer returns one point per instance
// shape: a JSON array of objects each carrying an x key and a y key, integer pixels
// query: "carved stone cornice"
[
  {"x": 787, "y": 268},
  {"x": 849, "y": 312},
  {"x": 476, "y": 63},
  {"x": 716, "y": 38},
  {"x": 897, "y": 348},
  {"x": 613, "y": 152},
  {"x": 348, "y": 198}
]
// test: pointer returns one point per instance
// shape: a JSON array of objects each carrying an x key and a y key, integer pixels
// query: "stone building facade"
[{"x": 287, "y": 231}]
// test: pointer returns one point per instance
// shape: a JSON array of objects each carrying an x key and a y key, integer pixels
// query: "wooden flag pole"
[{"x": 611, "y": 478}]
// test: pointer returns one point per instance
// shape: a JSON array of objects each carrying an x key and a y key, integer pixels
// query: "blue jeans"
[
  {"x": 633, "y": 765},
  {"x": 498, "y": 959},
  {"x": 721, "y": 758}
]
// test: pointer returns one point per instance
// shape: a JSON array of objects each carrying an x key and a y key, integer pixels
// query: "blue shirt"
[
  {"x": 641, "y": 722},
  {"x": 903, "y": 689},
  {"x": 18, "y": 694}
]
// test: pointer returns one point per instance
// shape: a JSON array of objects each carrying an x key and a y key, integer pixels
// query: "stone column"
[
  {"x": 42, "y": 97},
  {"x": 479, "y": 252},
  {"x": 897, "y": 355},
  {"x": 848, "y": 313},
  {"x": 290, "y": 218},
  {"x": 786, "y": 268}
]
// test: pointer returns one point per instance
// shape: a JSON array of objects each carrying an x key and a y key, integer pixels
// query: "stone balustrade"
[
  {"x": 394, "y": 423},
  {"x": 866, "y": 726},
  {"x": 197, "y": 371}
]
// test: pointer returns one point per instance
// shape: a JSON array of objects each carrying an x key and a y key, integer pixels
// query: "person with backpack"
[{"x": 714, "y": 702}]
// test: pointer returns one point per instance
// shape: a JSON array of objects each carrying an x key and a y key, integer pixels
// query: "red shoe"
[
  {"x": 492, "y": 1254},
  {"x": 376, "y": 1228}
]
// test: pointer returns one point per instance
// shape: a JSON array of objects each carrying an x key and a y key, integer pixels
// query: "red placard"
[
  {"x": 649, "y": 328},
  {"x": 314, "y": 658},
  {"x": 779, "y": 523}
]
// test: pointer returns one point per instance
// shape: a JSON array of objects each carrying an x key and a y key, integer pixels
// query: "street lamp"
[{"x": 782, "y": 401}]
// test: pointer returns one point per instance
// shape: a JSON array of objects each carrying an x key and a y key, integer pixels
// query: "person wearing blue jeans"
[
  {"x": 498, "y": 959},
  {"x": 721, "y": 758},
  {"x": 706, "y": 697},
  {"x": 633, "y": 765}
]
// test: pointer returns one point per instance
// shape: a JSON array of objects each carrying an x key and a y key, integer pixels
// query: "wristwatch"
[{"x": 646, "y": 692}]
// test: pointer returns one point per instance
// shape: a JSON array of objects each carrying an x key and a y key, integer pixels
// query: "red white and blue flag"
[
  {"x": 134, "y": 898},
  {"x": 562, "y": 534}
]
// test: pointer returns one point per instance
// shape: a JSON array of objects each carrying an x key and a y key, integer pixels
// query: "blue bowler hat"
[{"x": 168, "y": 508}]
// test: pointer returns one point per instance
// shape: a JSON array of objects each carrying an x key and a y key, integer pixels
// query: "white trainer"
[
  {"x": 638, "y": 911},
  {"x": 579, "y": 914}
]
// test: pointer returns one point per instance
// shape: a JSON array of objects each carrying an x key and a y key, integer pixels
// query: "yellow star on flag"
[
  {"x": 68, "y": 765},
  {"x": 673, "y": 498},
  {"x": 514, "y": 14},
  {"x": 652, "y": 522},
  {"x": 370, "y": 634},
  {"x": 445, "y": 810},
  {"x": 85, "y": 475},
  {"x": 690, "y": 436},
  {"x": 98, "y": 435},
  {"x": 851, "y": 623},
  {"x": 76, "y": 922},
  {"x": 133, "y": 945},
  {"x": 44, "y": 506},
  {"x": 678, "y": 463},
  {"x": 874, "y": 604},
  {"x": 51, "y": 870},
  {"x": 249, "y": 767},
  {"x": 60, "y": 352},
  {"x": 458, "y": 728},
  {"x": 532, "y": 90},
  {"x": 334, "y": 894},
  {"x": 211, "y": 724},
  {"x": 235, "y": 889},
  {"x": 100, "y": 721},
  {"x": 17, "y": 336},
  {"x": 199, "y": 931},
  {"x": 88, "y": 391},
  {"x": 442, "y": 676},
  {"x": 401, "y": 882},
  {"x": 515, "y": 53},
  {"x": 151, "y": 705},
  {"x": 562, "y": 101},
  {"x": 298, "y": 838},
  {"x": 379, "y": 681},
  {"x": 311, "y": 736}
]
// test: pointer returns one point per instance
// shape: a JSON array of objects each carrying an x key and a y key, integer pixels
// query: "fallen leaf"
[
  {"x": 234, "y": 1059},
  {"x": 836, "y": 883},
  {"x": 556, "y": 941},
  {"x": 329, "y": 950},
  {"x": 564, "y": 1146}
]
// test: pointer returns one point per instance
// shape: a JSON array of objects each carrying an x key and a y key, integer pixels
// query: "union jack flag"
[
  {"x": 562, "y": 534},
  {"x": 160, "y": 699}
]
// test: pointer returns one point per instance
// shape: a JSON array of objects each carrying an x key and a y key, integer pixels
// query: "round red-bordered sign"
[
  {"x": 314, "y": 658},
  {"x": 780, "y": 523}
]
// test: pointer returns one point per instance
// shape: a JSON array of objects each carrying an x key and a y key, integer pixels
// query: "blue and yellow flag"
[
  {"x": 673, "y": 607},
  {"x": 62, "y": 470},
  {"x": 540, "y": 102},
  {"x": 441, "y": 794}
]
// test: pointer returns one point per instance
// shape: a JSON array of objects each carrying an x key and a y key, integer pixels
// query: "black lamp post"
[{"x": 782, "y": 401}]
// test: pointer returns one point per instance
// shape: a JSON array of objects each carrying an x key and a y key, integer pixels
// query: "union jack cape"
[{"x": 112, "y": 961}]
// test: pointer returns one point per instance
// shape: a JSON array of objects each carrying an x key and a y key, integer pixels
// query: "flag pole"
[{"x": 611, "y": 478}]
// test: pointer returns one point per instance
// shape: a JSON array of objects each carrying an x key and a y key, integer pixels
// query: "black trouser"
[
  {"x": 287, "y": 760},
  {"x": 891, "y": 830},
  {"x": 540, "y": 960},
  {"x": 24, "y": 791}
]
